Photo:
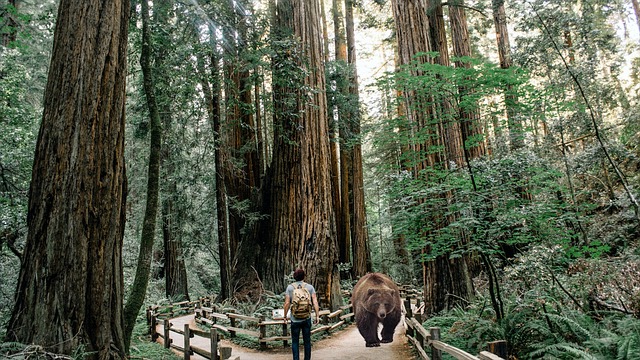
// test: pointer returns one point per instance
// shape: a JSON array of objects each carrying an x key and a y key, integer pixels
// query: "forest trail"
[{"x": 346, "y": 344}]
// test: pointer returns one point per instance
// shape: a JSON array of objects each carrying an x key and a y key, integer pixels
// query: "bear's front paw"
[
  {"x": 386, "y": 341},
  {"x": 373, "y": 344}
]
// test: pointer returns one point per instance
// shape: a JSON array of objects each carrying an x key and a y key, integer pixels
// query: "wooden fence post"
[
  {"x": 499, "y": 348},
  {"x": 407, "y": 307},
  {"x": 187, "y": 345},
  {"x": 435, "y": 335},
  {"x": 152, "y": 328},
  {"x": 263, "y": 333},
  {"x": 232, "y": 333},
  {"x": 214, "y": 343},
  {"x": 167, "y": 337}
]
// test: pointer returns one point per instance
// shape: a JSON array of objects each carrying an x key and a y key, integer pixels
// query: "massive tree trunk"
[
  {"x": 70, "y": 287},
  {"x": 302, "y": 224},
  {"x": 359, "y": 231},
  {"x": 416, "y": 33},
  {"x": 143, "y": 267}
]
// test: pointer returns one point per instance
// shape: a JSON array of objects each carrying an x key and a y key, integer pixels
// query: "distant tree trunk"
[
  {"x": 514, "y": 124},
  {"x": 470, "y": 128},
  {"x": 412, "y": 33},
  {"x": 175, "y": 272},
  {"x": 9, "y": 25},
  {"x": 211, "y": 85},
  {"x": 636, "y": 11},
  {"x": 240, "y": 161},
  {"x": 359, "y": 231},
  {"x": 143, "y": 267},
  {"x": 472, "y": 134},
  {"x": 70, "y": 287},
  {"x": 340, "y": 184},
  {"x": 176, "y": 285},
  {"x": 302, "y": 223},
  {"x": 448, "y": 126}
]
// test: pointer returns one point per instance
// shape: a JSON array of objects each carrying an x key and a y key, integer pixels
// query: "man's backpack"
[{"x": 301, "y": 301}]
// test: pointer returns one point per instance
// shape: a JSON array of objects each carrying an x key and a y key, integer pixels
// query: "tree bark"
[
  {"x": 175, "y": 272},
  {"x": 240, "y": 157},
  {"x": 471, "y": 129},
  {"x": 636, "y": 11},
  {"x": 9, "y": 23},
  {"x": 412, "y": 34},
  {"x": 359, "y": 231},
  {"x": 143, "y": 267},
  {"x": 514, "y": 125},
  {"x": 337, "y": 121},
  {"x": 211, "y": 85},
  {"x": 70, "y": 287},
  {"x": 303, "y": 227}
]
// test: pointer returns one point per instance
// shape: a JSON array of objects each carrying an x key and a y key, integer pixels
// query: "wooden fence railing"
[
  {"x": 425, "y": 340},
  {"x": 259, "y": 328}
]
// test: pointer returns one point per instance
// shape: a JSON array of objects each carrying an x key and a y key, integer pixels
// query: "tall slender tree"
[
  {"x": 70, "y": 287},
  {"x": 514, "y": 124},
  {"x": 359, "y": 231},
  {"x": 337, "y": 121},
  {"x": 175, "y": 272},
  {"x": 470, "y": 128},
  {"x": 143, "y": 268}
]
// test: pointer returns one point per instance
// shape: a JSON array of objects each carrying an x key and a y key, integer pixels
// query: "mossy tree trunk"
[{"x": 143, "y": 268}]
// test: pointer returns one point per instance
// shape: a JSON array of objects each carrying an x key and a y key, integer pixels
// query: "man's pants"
[{"x": 305, "y": 326}]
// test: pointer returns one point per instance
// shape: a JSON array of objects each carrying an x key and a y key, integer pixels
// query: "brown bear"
[{"x": 376, "y": 300}]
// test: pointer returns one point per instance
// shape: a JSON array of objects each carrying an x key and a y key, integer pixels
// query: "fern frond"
[
  {"x": 570, "y": 325},
  {"x": 629, "y": 348},
  {"x": 562, "y": 350}
]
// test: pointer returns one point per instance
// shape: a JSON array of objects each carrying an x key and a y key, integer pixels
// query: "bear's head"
[{"x": 380, "y": 301}]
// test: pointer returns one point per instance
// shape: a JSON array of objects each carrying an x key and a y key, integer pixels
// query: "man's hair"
[{"x": 298, "y": 275}]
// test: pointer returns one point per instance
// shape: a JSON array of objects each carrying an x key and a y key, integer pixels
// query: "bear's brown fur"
[{"x": 376, "y": 300}]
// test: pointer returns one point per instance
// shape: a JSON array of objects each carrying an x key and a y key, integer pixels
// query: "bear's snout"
[{"x": 382, "y": 314}]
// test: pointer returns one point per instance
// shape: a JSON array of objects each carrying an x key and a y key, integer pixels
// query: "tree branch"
[
  {"x": 621, "y": 176},
  {"x": 465, "y": 7}
]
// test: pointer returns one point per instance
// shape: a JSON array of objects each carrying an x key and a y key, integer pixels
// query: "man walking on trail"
[{"x": 299, "y": 298}]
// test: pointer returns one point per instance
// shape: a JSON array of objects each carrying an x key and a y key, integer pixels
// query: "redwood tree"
[
  {"x": 302, "y": 223},
  {"x": 359, "y": 231},
  {"x": 70, "y": 287}
]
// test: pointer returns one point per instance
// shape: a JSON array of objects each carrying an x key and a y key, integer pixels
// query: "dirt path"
[{"x": 346, "y": 344}]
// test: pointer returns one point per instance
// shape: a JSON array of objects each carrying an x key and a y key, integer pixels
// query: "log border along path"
[{"x": 346, "y": 344}]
